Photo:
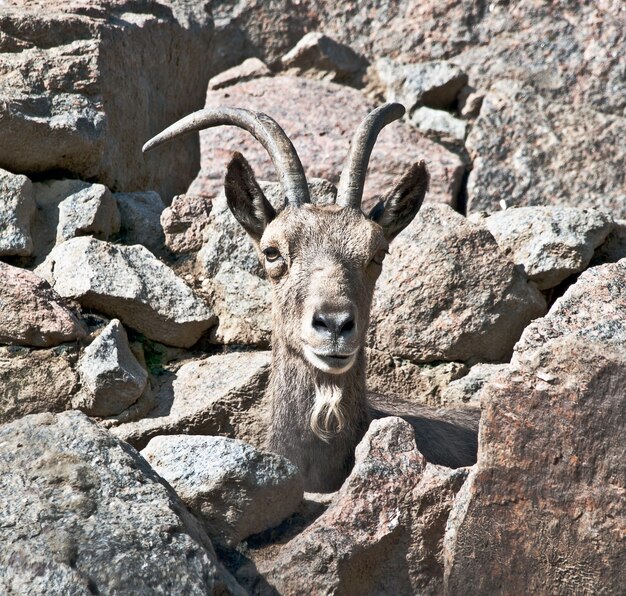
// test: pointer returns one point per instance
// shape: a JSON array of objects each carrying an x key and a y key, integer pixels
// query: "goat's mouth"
[{"x": 328, "y": 362}]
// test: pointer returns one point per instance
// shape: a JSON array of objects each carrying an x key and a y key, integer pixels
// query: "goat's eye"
[
  {"x": 271, "y": 254},
  {"x": 379, "y": 257}
]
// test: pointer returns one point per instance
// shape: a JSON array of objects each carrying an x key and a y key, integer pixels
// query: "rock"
[
  {"x": 35, "y": 381},
  {"x": 551, "y": 243},
  {"x": 432, "y": 84},
  {"x": 184, "y": 222},
  {"x": 32, "y": 313},
  {"x": 552, "y": 455},
  {"x": 232, "y": 487},
  {"x": 82, "y": 512},
  {"x": 320, "y": 119},
  {"x": 529, "y": 151},
  {"x": 92, "y": 211},
  {"x": 243, "y": 305},
  {"x": 447, "y": 294},
  {"x": 129, "y": 283},
  {"x": 438, "y": 121},
  {"x": 614, "y": 247},
  {"x": 249, "y": 69},
  {"x": 141, "y": 219},
  {"x": 423, "y": 383},
  {"x": 383, "y": 531},
  {"x": 86, "y": 84},
  {"x": 111, "y": 378},
  {"x": 466, "y": 390},
  {"x": 219, "y": 395},
  {"x": 17, "y": 208},
  {"x": 469, "y": 101},
  {"x": 318, "y": 56}
]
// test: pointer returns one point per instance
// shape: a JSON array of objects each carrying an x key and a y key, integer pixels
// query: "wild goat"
[{"x": 322, "y": 263}]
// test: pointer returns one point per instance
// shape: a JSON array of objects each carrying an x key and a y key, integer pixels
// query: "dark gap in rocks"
[
  {"x": 553, "y": 294},
  {"x": 461, "y": 199}
]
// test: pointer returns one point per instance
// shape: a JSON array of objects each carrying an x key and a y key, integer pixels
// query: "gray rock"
[
  {"x": 111, "y": 378},
  {"x": 614, "y": 247},
  {"x": 91, "y": 211},
  {"x": 249, "y": 69},
  {"x": 85, "y": 86},
  {"x": 129, "y": 283},
  {"x": 552, "y": 455},
  {"x": 219, "y": 395},
  {"x": 466, "y": 390},
  {"x": 318, "y": 56},
  {"x": 438, "y": 121},
  {"x": 184, "y": 221},
  {"x": 35, "y": 381},
  {"x": 82, "y": 512},
  {"x": 32, "y": 313},
  {"x": 140, "y": 216},
  {"x": 17, "y": 209},
  {"x": 382, "y": 532},
  {"x": 446, "y": 293},
  {"x": 551, "y": 243},
  {"x": 235, "y": 489},
  {"x": 320, "y": 118},
  {"x": 432, "y": 84},
  {"x": 469, "y": 101},
  {"x": 530, "y": 151}
]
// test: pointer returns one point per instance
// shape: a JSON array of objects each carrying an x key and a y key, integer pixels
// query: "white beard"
[{"x": 327, "y": 417}]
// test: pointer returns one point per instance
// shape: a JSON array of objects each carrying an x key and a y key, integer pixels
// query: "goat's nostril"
[
  {"x": 347, "y": 327},
  {"x": 319, "y": 324}
]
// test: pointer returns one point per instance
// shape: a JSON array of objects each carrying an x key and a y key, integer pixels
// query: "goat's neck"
[{"x": 293, "y": 386}]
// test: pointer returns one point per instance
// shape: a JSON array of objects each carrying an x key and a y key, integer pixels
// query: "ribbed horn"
[
  {"x": 352, "y": 179},
  {"x": 263, "y": 128}
]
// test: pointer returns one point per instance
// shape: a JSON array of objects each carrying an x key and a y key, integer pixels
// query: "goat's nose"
[{"x": 340, "y": 325}]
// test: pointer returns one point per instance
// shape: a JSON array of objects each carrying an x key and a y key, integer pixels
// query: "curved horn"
[
  {"x": 263, "y": 128},
  {"x": 352, "y": 180}
]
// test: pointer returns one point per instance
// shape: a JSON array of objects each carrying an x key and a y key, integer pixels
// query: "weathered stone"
[
  {"x": 614, "y": 247},
  {"x": 320, "y": 119},
  {"x": 91, "y": 211},
  {"x": 530, "y": 151},
  {"x": 68, "y": 70},
  {"x": 469, "y": 102},
  {"x": 82, "y": 512},
  {"x": 318, "y": 56},
  {"x": 220, "y": 395},
  {"x": 235, "y": 489},
  {"x": 466, "y": 390},
  {"x": 111, "y": 378},
  {"x": 383, "y": 531},
  {"x": 32, "y": 313},
  {"x": 552, "y": 455},
  {"x": 432, "y": 84},
  {"x": 438, "y": 121},
  {"x": 17, "y": 209},
  {"x": 551, "y": 243},
  {"x": 184, "y": 221},
  {"x": 249, "y": 69},
  {"x": 447, "y": 294},
  {"x": 423, "y": 383},
  {"x": 129, "y": 283},
  {"x": 141, "y": 219},
  {"x": 35, "y": 381}
]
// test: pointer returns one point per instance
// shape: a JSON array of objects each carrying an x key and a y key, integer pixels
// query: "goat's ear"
[
  {"x": 246, "y": 199},
  {"x": 397, "y": 210}
]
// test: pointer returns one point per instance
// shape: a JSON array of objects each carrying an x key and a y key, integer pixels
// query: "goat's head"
[{"x": 322, "y": 261}]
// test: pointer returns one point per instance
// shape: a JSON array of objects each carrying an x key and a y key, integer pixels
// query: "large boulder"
[
  {"x": 219, "y": 395},
  {"x": 447, "y": 293},
  {"x": 17, "y": 209},
  {"x": 235, "y": 489},
  {"x": 81, "y": 512},
  {"x": 544, "y": 507},
  {"x": 37, "y": 380},
  {"x": 85, "y": 84},
  {"x": 528, "y": 151},
  {"x": 320, "y": 119},
  {"x": 383, "y": 531},
  {"x": 32, "y": 313},
  {"x": 551, "y": 243},
  {"x": 130, "y": 283}
]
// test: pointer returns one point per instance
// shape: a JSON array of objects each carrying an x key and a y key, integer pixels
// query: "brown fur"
[{"x": 323, "y": 263}]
